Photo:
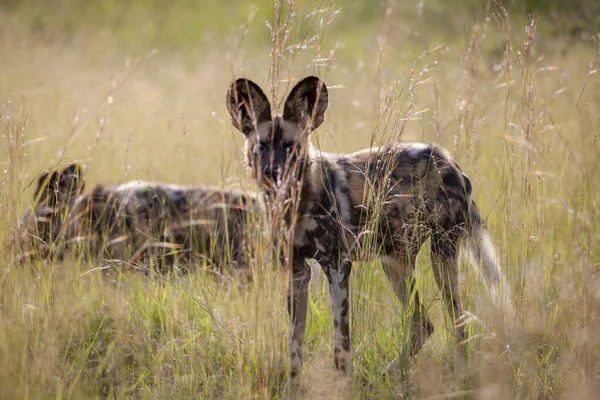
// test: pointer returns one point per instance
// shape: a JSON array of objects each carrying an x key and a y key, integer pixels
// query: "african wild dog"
[
  {"x": 399, "y": 195},
  {"x": 128, "y": 222}
]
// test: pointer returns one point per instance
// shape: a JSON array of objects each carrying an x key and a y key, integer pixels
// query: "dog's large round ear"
[
  {"x": 307, "y": 103},
  {"x": 71, "y": 179},
  {"x": 248, "y": 105},
  {"x": 46, "y": 185}
]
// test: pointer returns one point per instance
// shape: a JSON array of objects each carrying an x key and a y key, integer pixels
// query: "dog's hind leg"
[{"x": 399, "y": 271}]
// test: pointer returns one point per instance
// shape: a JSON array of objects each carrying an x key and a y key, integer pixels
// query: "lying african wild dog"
[
  {"x": 138, "y": 219},
  {"x": 400, "y": 195}
]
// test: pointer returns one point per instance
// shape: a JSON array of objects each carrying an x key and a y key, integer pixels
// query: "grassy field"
[{"x": 136, "y": 90}]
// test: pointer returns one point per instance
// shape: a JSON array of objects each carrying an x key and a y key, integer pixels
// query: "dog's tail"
[{"x": 484, "y": 259}]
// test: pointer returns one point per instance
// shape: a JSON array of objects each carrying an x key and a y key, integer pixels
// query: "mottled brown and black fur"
[
  {"x": 139, "y": 221},
  {"x": 398, "y": 196},
  {"x": 173, "y": 222}
]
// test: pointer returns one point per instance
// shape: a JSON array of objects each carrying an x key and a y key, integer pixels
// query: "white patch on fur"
[
  {"x": 311, "y": 225},
  {"x": 314, "y": 264},
  {"x": 304, "y": 226},
  {"x": 484, "y": 257},
  {"x": 415, "y": 149},
  {"x": 139, "y": 184},
  {"x": 131, "y": 185},
  {"x": 319, "y": 246}
]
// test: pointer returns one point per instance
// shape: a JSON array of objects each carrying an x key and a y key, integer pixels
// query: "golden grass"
[{"x": 522, "y": 119}]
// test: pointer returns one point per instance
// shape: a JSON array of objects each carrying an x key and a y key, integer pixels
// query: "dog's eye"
[
  {"x": 261, "y": 147},
  {"x": 289, "y": 147}
]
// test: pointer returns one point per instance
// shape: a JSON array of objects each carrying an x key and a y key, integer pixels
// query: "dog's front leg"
[
  {"x": 297, "y": 309},
  {"x": 338, "y": 275}
]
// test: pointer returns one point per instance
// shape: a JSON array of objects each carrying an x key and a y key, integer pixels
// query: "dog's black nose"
[{"x": 270, "y": 172}]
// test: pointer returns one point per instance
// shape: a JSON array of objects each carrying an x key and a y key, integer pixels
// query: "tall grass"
[{"x": 519, "y": 110}]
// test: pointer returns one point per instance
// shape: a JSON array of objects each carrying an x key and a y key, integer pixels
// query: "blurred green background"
[{"x": 194, "y": 26}]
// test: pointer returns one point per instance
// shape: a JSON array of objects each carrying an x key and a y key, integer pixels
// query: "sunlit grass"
[{"x": 522, "y": 121}]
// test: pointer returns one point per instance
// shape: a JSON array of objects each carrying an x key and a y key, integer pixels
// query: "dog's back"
[{"x": 172, "y": 223}]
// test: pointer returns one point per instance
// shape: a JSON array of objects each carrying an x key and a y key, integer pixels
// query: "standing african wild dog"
[
  {"x": 127, "y": 221},
  {"x": 400, "y": 194}
]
